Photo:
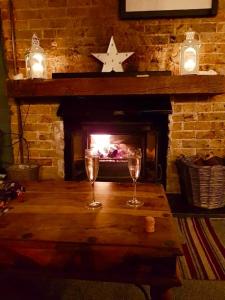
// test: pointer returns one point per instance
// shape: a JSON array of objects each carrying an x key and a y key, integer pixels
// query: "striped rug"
[{"x": 203, "y": 247}]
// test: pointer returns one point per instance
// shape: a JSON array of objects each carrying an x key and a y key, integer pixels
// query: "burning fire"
[{"x": 104, "y": 146}]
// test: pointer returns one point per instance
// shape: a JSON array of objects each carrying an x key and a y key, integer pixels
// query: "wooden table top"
[{"x": 55, "y": 213}]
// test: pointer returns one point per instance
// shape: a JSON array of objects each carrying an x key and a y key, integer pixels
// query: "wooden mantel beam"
[{"x": 153, "y": 85}]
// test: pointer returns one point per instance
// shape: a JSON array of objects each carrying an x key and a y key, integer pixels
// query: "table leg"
[{"x": 161, "y": 293}]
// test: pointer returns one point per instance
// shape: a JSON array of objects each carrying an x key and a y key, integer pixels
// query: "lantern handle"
[
  {"x": 35, "y": 40},
  {"x": 192, "y": 33}
]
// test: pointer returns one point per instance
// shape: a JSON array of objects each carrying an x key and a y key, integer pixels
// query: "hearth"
[{"x": 112, "y": 124}]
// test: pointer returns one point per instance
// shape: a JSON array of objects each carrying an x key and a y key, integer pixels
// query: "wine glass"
[
  {"x": 92, "y": 166},
  {"x": 134, "y": 166}
]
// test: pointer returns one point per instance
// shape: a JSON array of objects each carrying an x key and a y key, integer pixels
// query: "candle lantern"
[
  {"x": 35, "y": 60},
  {"x": 189, "y": 54}
]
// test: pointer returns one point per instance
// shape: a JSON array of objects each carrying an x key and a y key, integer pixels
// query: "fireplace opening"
[
  {"x": 112, "y": 150},
  {"x": 110, "y": 125},
  {"x": 111, "y": 141}
]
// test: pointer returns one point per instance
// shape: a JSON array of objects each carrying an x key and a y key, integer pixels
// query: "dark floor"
[{"x": 180, "y": 207}]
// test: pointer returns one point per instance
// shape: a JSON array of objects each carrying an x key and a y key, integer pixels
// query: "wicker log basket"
[
  {"x": 21, "y": 172},
  {"x": 202, "y": 180}
]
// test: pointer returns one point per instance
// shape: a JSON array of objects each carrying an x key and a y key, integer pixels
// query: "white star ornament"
[{"x": 112, "y": 60}]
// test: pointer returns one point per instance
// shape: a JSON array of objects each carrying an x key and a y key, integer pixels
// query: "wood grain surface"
[
  {"x": 152, "y": 85},
  {"x": 53, "y": 229}
]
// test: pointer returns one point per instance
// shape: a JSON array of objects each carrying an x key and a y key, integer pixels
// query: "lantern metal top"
[
  {"x": 35, "y": 44},
  {"x": 190, "y": 35}
]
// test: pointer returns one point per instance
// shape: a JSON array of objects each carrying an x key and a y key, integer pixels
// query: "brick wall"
[{"x": 70, "y": 30}]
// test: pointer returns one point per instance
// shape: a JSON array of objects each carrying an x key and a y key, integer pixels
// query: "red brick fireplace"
[{"x": 189, "y": 132}]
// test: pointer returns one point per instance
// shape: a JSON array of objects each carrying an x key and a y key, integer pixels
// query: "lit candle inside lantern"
[
  {"x": 38, "y": 57},
  {"x": 37, "y": 70},
  {"x": 189, "y": 59},
  {"x": 189, "y": 65}
]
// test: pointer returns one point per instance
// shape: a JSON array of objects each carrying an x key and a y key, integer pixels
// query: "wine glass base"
[
  {"x": 135, "y": 203},
  {"x": 95, "y": 204}
]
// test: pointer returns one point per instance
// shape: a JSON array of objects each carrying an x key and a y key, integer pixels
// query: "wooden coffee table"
[{"x": 53, "y": 231}]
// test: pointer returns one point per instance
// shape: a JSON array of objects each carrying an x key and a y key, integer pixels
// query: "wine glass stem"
[
  {"x": 135, "y": 190},
  {"x": 93, "y": 191}
]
